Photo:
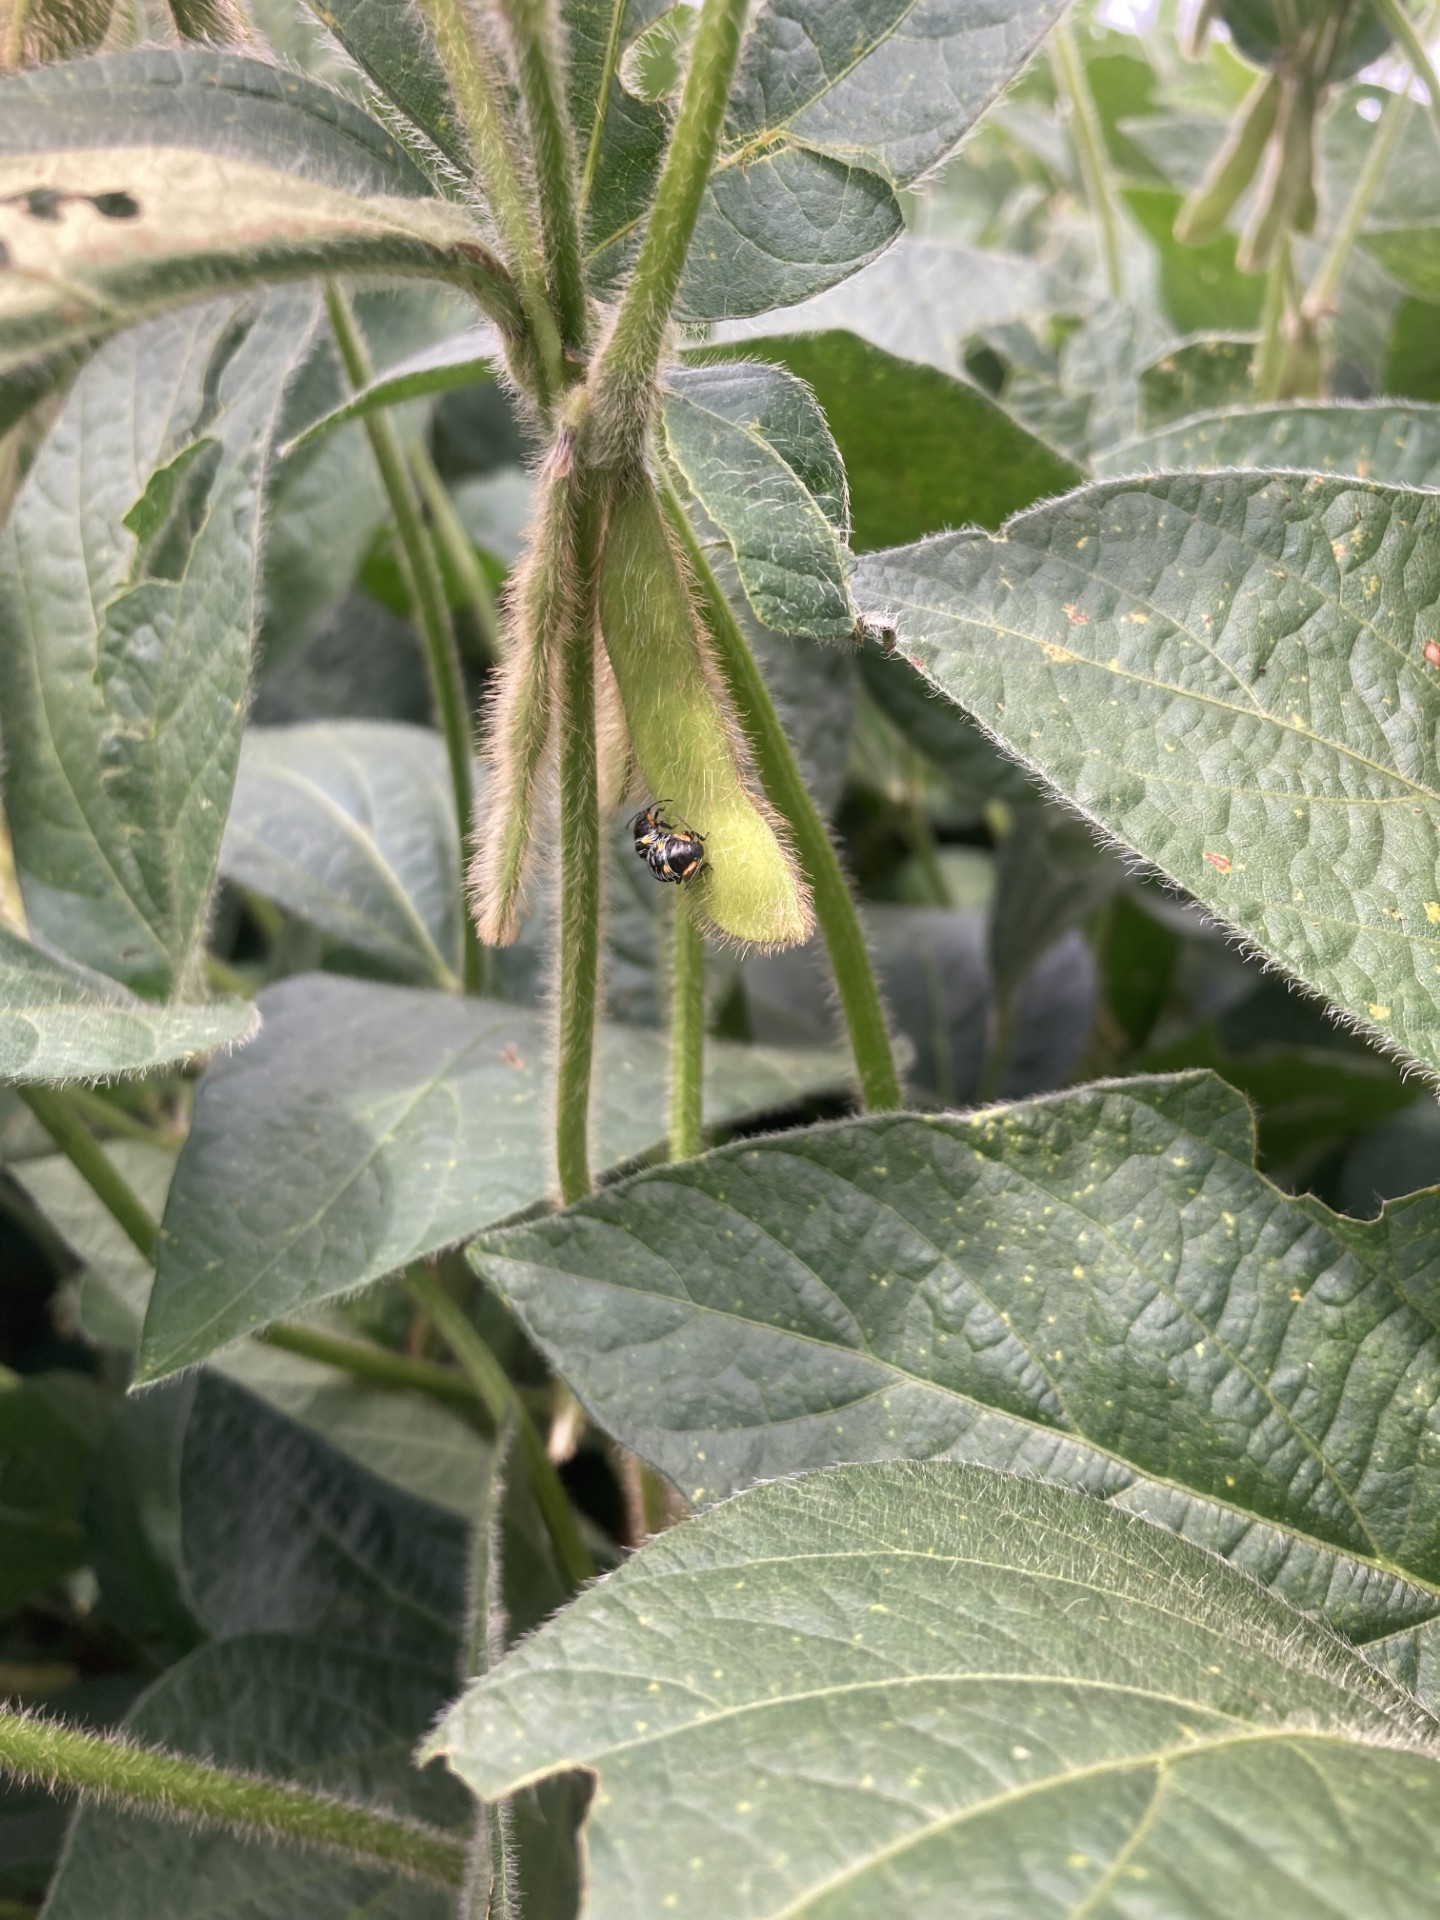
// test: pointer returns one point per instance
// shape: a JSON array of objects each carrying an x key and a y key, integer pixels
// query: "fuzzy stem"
[
  {"x": 172, "y": 1786},
  {"x": 471, "y": 69},
  {"x": 426, "y": 589},
  {"x": 493, "y": 1385},
  {"x": 96, "y": 1169},
  {"x": 98, "y": 1112},
  {"x": 624, "y": 377},
  {"x": 535, "y": 32},
  {"x": 578, "y": 972},
  {"x": 1089, "y": 150},
  {"x": 687, "y": 1034},
  {"x": 454, "y": 544},
  {"x": 377, "y": 1366},
  {"x": 783, "y": 782}
]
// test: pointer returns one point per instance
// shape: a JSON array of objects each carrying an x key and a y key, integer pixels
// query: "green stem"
[
  {"x": 475, "y": 81},
  {"x": 1089, "y": 141},
  {"x": 1326, "y": 284},
  {"x": 377, "y": 1366},
  {"x": 89, "y": 1159},
  {"x": 19, "y": 20},
  {"x": 580, "y": 864},
  {"x": 624, "y": 377},
  {"x": 1270, "y": 361},
  {"x": 495, "y": 1389},
  {"x": 783, "y": 782},
  {"x": 687, "y": 1034},
  {"x": 171, "y": 1786},
  {"x": 552, "y": 146},
  {"x": 1403, "y": 28},
  {"x": 454, "y": 544},
  {"x": 427, "y": 596},
  {"x": 98, "y": 1112}
]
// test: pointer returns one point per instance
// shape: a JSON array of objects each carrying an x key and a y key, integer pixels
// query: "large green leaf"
[
  {"x": 927, "y": 1690},
  {"x": 836, "y": 106},
  {"x": 207, "y": 101},
  {"x": 755, "y": 451},
  {"x": 922, "y": 450},
  {"x": 127, "y": 599},
  {"x": 1411, "y": 254},
  {"x": 59, "y": 1021},
  {"x": 837, "y": 103},
  {"x": 369, "y": 1126},
  {"x": 49, "y": 1426},
  {"x": 95, "y": 237},
  {"x": 619, "y": 138},
  {"x": 920, "y": 300},
  {"x": 1097, "y": 1288},
  {"x": 1229, "y": 675},
  {"x": 392, "y": 46},
  {"x": 351, "y": 825},
  {"x": 1397, "y": 442},
  {"x": 282, "y": 1534},
  {"x": 340, "y": 1718}
]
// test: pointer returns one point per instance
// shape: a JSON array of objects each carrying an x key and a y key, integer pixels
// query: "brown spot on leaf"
[{"x": 1219, "y": 861}]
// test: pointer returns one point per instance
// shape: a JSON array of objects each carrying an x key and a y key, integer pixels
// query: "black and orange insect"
[{"x": 672, "y": 852}]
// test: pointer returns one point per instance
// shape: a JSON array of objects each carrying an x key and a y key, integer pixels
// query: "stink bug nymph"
[{"x": 670, "y": 852}]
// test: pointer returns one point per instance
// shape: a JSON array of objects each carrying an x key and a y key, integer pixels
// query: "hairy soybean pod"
[
  {"x": 1208, "y": 208},
  {"x": 682, "y": 733}
]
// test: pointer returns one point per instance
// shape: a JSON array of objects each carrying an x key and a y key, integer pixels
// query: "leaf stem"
[
  {"x": 377, "y": 1366},
  {"x": 578, "y": 969},
  {"x": 1270, "y": 361},
  {"x": 472, "y": 71},
  {"x": 608, "y": 72},
  {"x": 494, "y": 1387},
  {"x": 1089, "y": 140},
  {"x": 427, "y": 596},
  {"x": 687, "y": 1034},
  {"x": 173, "y": 1786},
  {"x": 535, "y": 32},
  {"x": 1393, "y": 13},
  {"x": 624, "y": 377},
  {"x": 783, "y": 782},
  {"x": 80, "y": 1147},
  {"x": 454, "y": 543},
  {"x": 1326, "y": 284}
]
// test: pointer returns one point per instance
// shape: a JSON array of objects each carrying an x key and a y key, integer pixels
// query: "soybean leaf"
[
  {"x": 619, "y": 138},
  {"x": 59, "y": 1021},
  {"x": 1411, "y": 254},
  {"x": 922, "y": 450},
  {"x": 351, "y": 825},
  {"x": 1394, "y": 441},
  {"x": 1051, "y": 876},
  {"x": 393, "y": 47},
  {"x": 405, "y": 1438},
  {"x": 833, "y": 109},
  {"x": 206, "y": 101},
  {"x": 1200, "y": 288},
  {"x": 127, "y": 600},
  {"x": 919, "y": 301},
  {"x": 97, "y": 237},
  {"x": 1193, "y": 378},
  {"x": 116, "y": 1277},
  {"x": 756, "y": 453},
  {"x": 1097, "y": 1288},
  {"x": 49, "y": 1426},
  {"x": 1230, "y": 675},
  {"x": 860, "y": 1691},
  {"x": 288, "y": 1707},
  {"x": 282, "y": 1534},
  {"x": 456, "y": 362},
  {"x": 375, "y": 1125},
  {"x": 1050, "y": 1017}
]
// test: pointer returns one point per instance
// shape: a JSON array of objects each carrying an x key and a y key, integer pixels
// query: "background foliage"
[{"x": 1095, "y": 574}]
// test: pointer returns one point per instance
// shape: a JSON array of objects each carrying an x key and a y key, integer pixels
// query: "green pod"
[
  {"x": 1208, "y": 208},
  {"x": 682, "y": 734}
]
